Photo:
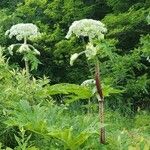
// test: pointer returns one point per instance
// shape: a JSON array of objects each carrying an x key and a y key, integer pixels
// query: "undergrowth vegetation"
[{"x": 31, "y": 119}]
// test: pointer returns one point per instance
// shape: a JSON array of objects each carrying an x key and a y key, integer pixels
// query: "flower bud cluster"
[
  {"x": 90, "y": 51},
  {"x": 89, "y": 82},
  {"x": 23, "y": 48}
]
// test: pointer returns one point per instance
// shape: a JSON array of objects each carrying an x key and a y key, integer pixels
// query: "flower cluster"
[
  {"x": 90, "y": 51},
  {"x": 89, "y": 82},
  {"x": 23, "y": 48},
  {"x": 22, "y": 31},
  {"x": 87, "y": 27}
]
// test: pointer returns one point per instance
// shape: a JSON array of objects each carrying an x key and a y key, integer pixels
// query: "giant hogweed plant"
[
  {"x": 24, "y": 32},
  {"x": 94, "y": 30}
]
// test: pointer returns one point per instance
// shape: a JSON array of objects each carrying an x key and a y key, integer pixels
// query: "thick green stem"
[
  {"x": 89, "y": 104},
  {"x": 100, "y": 97},
  {"x": 26, "y": 60},
  {"x": 26, "y": 67},
  {"x": 25, "y": 40}
]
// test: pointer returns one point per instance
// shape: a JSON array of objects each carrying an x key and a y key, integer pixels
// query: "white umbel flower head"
[
  {"x": 87, "y": 27},
  {"x": 22, "y": 30}
]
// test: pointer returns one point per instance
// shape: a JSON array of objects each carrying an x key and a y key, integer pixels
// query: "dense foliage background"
[{"x": 124, "y": 63}]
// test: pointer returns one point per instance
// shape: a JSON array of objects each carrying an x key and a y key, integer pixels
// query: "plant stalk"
[
  {"x": 26, "y": 60},
  {"x": 100, "y": 98},
  {"x": 27, "y": 67},
  {"x": 25, "y": 40}
]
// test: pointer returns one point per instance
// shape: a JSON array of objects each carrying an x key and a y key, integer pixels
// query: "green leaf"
[{"x": 73, "y": 92}]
